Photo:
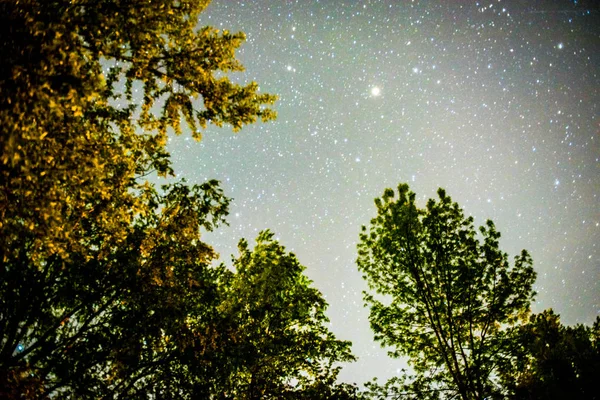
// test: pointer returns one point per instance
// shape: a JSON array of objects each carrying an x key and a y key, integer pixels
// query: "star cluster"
[{"x": 497, "y": 102}]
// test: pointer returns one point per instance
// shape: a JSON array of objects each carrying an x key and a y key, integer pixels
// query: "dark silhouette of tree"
[
  {"x": 556, "y": 361},
  {"x": 442, "y": 295}
]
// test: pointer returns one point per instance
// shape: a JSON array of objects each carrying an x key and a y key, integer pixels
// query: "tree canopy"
[
  {"x": 442, "y": 295},
  {"x": 88, "y": 92},
  {"x": 555, "y": 361},
  {"x": 113, "y": 321}
]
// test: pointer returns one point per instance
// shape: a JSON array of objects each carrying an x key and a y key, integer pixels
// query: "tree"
[
  {"x": 555, "y": 361},
  {"x": 106, "y": 289},
  {"x": 88, "y": 92},
  {"x": 280, "y": 342},
  {"x": 441, "y": 295}
]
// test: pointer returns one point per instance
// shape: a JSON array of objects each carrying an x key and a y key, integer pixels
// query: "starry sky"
[{"x": 495, "y": 101}]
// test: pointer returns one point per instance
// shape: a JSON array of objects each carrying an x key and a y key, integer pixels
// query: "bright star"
[{"x": 375, "y": 91}]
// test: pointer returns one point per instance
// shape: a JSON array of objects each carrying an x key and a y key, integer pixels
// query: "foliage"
[
  {"x": 556, "y": 361},
  {"x": 282, "y": 347},
  {"x": 88, "y": 91},
  {"x": 441, "y": 295},
  {"x": 106, "y": 289},
  {"x": 115, "y": 321}
]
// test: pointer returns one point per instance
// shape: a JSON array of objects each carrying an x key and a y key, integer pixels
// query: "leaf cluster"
[{"x": 114, "y": 320}]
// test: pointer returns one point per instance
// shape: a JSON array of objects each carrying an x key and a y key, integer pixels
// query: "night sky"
[{"x": 495, "y": 101}]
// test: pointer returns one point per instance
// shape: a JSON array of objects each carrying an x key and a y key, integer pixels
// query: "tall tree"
[
  {"x": 442, "y": 295},
  {"x": 106, "y": 288},
  {"x": 281, "y": 345}
]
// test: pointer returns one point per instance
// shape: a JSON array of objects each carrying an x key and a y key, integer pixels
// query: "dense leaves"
[
  {"x": 556, "y": 361},
  {"x": 88, "y": 90},
  {"x": 112, "y": 322},
  {"x": 281, "y": 347},
  {"x": 442, "y": 295}
]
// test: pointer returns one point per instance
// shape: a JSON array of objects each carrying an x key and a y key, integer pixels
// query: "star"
[{"x": 375, "y": 91}]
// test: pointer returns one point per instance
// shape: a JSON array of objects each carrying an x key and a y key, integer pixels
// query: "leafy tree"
[
  {"x": 443, "y": 296},
  {"x": 88, "y": 92},
  {"x": 280, "y": 346},
  {"x": 556, "y": 361},
  {"x": 106, "y": 289}
]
